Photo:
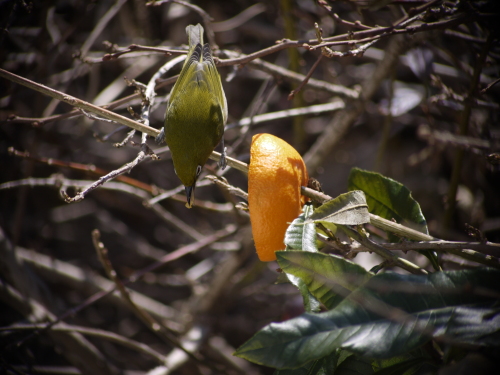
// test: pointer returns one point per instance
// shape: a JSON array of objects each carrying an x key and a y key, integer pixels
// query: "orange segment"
[{"x": 275, "y": 175}]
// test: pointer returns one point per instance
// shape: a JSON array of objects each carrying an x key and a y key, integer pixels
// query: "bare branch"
[
  {"x": 151, "y": 322},
  {"x": 384, "y": 253},
  {"x": 95, "y": 332},
  {"x": 126, "y": 168}
]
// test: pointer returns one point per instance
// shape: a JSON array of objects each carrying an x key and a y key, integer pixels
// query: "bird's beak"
[{"x": 189, "y": 195}]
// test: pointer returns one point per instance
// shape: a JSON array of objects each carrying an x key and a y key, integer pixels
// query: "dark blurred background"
[{"x": 221, "y": 288}]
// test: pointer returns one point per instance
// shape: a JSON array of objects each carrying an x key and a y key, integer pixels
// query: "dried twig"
[
  {"x": 383, "y": 252},
  {"x": 464, "y": 128},
  {"x": 135, "y": 48},
  {"x": 288, "y": 113},
  {"x": 126, "y": 168},
  {"x": 487, "y": 88},
  {"x": 286, "y": 73},
  {"x": 230, "y": 188},
  {"x": 95, "y": 332},
  {"x": 207, "y": 20},
  {"x": 308, "y": 76},
  {"x": 151, "y": 322}
]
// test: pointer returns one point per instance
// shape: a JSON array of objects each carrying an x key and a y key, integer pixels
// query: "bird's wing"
[
  {"x": 214, "y": 78},
  {"x": 188, "y": 72}
]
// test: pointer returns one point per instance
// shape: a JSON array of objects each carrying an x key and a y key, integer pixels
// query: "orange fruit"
[{"x": 275, "y": 174}]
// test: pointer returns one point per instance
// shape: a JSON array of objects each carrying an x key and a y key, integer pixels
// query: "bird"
[{"x": 196, "y": 114}]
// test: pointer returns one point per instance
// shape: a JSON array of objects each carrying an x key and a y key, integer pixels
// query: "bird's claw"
[{"x": 222, "y": 162}]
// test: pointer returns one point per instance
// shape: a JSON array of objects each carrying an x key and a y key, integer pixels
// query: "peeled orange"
[{"x": 275, "y": 175}]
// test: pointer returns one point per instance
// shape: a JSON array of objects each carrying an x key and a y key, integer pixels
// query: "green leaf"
[
  {"x": 311, "y": 304},
  {"x": 406, "y": 367},
  {"x": 302, "y": 236},
  {"x": 347, "y": 209},
  {"x": 391, "y": 200},
  {"x": 388, "y": 198},
  {"x": 456, "y": 306},
  {"x": 303, "y": 370},
  {"x": 354, "y": 365},
  {"x": 328, "y": 277},
  {"x": 323, "y": 366}
]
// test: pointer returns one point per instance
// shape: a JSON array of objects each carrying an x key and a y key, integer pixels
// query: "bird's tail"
[{"x": 195, "y": 35}]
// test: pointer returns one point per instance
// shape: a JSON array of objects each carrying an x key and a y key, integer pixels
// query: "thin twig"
[
  {"x": 191, "y": 248},
  {"x": 151, "y": 322},
  {"x": 61, "y": 272},
  {"x": 343, "y": 120},
  {"x": 126, "y": 168},
  {"x": 442, "y": 24},
  {"x": 286, "y": 73},
  {"x": 461, "y": 249},
  {"x": 335, "y": 16},
  {"x": 487, "y": 88},
  {"x": 101, "y": 25},
  {"x": 77, "y": 350},
  {"x": 230, "y": 188},
  {"x": 75, "y": 102},
  {"x": 426, "y": 133},
  {"x": 136, "y": 48},
  {"x": 102, "y": 112},
  {"x": 62, "y": 183},
  {"x": 304, "y": 82},
  {"x": 95, "y": 332},
  {"x": 287, "y": 113},
  {"x": 94, "y": 117},
  {"x": 463, "y": 130},
  {"x": 383, "y": 252},
  {"x": 88, "y": 168},
  {"x": 207, "y": 20},
  {"x": 239, "y": 19},
  {"x": 403, "y": 231},
  {"x": 125, "y": 140}
]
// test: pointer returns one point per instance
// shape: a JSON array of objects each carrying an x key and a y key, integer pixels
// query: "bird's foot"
[{"x": 222, "y": 162}]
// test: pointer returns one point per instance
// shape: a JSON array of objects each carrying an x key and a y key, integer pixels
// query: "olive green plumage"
[{"x": 196, "y": 113}]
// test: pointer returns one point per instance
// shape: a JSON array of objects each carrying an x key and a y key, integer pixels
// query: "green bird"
[{"x": 196, "y": 113}]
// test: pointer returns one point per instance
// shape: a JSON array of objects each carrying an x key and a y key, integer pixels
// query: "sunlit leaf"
[
  {"x": 347, "y": 209},
  {"x": 388, "y": 198},
  {"x": 328, "y": 277},
  {"x": 391, "y": 200},
  {"x": 300, "y": 236}
]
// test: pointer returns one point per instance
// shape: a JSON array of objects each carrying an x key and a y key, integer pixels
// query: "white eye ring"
[{"x": 198, "y": 170}]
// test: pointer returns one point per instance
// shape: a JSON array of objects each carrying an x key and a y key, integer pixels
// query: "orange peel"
[{"x": 275, "y": 174}]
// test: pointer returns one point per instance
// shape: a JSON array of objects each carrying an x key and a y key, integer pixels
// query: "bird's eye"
[{"x": 198, "y": 170}]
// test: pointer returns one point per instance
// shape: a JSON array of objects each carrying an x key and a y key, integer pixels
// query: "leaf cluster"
[{"x": 357, "y": 321}]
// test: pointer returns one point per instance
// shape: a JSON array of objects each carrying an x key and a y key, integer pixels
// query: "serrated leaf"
[
  {"x": 456, "y": 306},
  {"x": 390, "y": 199},
  {"x": 301, "y": 236},
  {"x": 347, "y": 209},
  {"x": 329, "y": 278}
]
